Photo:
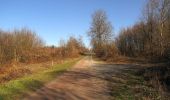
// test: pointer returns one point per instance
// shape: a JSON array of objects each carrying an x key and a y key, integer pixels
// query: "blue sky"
[{"x": 53, "y": 20}]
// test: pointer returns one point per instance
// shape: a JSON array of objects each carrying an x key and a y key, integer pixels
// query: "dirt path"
[
  {"x": 83, "y": 82},
  {"x": 94, "y": 80}
]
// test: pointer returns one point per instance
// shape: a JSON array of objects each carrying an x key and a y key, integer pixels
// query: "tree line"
[
  {"x": 25, "y": 46},
  {"x": 149, "y": 37}
]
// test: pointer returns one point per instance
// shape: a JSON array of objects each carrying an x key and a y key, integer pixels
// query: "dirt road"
[
  {"x": 95, "y": 80},
  {"x": 83, "y": 82}
]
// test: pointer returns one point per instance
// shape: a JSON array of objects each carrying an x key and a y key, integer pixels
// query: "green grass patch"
[{"x": 17, "y": 88}]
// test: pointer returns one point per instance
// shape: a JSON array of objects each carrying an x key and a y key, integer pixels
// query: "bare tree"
[{"x": 100, "y": 32}]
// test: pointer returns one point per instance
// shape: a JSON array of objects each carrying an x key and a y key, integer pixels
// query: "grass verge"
[
  {"x": 17, "y": 88},
  {"x": 133, "y": 87}
]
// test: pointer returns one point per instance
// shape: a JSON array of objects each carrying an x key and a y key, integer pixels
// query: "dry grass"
[
  {"x": 17, "y": 70},
  {"x": 13, "y": 72},
  {"x": 156, "y": 77},
  {"x": 159, "y": 78},
  {"x": 126, "y": 60},
  {"x": 16, "y": 88},
  {"x": 132, "y": 87}
]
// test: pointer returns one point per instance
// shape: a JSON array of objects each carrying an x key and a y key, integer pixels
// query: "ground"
[{"x": 95, "y": 80}]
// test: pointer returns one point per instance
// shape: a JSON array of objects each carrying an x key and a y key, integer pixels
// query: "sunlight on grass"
[{"x": 17, "y": 88}]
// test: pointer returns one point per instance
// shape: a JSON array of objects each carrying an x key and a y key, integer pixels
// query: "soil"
[{"x": 83, "y": 82}]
